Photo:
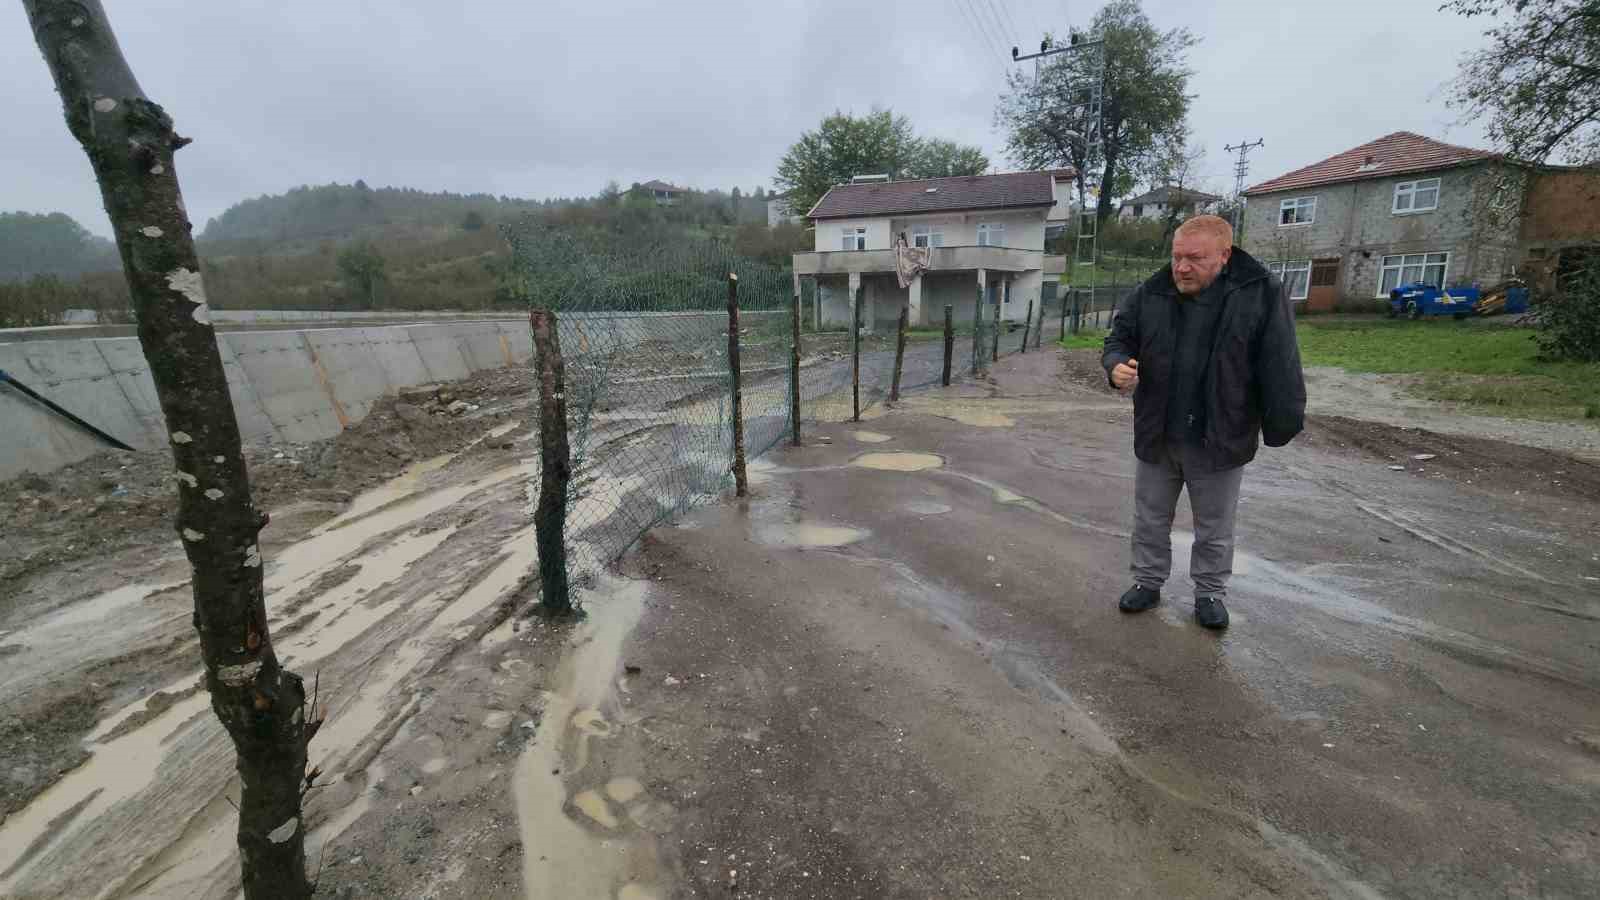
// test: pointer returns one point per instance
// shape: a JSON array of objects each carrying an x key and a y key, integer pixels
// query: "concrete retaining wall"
[{"x": 294, "y": 386}]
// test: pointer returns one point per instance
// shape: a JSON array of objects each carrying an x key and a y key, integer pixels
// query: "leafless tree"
[{"x": 130, "y": 142}]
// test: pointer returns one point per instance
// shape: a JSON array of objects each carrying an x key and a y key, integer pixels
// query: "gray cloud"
[{"x": 555, "y": 98}]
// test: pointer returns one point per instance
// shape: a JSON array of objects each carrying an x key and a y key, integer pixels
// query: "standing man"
[{"x": 1207, "y": 346}]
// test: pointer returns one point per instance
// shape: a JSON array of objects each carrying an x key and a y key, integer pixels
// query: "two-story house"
[
  {"x": 1402, "y": 208},
  {"x": 1159, "y": 203},
  {"x": 984, "y": 233}
]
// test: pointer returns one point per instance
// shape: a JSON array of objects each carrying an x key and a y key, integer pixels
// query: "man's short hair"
[{"x": 1210, "y": 226}]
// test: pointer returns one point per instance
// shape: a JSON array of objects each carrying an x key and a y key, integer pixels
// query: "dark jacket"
[{"x": 1253, "y": 380}]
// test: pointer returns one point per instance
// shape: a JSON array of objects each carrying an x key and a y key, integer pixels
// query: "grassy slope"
[{"x": 1493, "y": 368}]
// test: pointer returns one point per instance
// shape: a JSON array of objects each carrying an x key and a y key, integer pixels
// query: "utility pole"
[
  {"x": 1241, "y": 168},
  {"x": 1088, "y": 94}
]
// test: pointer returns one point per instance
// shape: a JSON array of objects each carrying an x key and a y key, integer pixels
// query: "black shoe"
[
  {"x": 1138, "y": 599},
  {"x": 1210, "y": 612}
]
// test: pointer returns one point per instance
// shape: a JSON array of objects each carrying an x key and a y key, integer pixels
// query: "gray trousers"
[{"x": 1213, "y": 497}]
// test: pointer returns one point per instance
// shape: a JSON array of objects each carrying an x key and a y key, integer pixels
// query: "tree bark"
[
  {"x": 741, "y": 485},
  {"x": 130, "y": 143},
  {"x": 555, "y": 463}
]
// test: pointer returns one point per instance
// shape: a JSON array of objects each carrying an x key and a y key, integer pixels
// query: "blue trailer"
[{"x": 1415, "y": 300}]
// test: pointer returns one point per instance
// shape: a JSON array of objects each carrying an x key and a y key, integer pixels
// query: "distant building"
[
  {"x": 663, "y": 193},
  {"x": 1159, "y": 203},
  {"x": 1407, "y": 208},
  {"x": 984, "y": 235}
]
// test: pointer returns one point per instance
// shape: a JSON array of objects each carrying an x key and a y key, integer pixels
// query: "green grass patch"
[
  {"x": 1087, "y": 339},
  {"x": 1489, "y": 366}
]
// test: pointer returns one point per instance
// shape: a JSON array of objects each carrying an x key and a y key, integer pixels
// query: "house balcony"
[{"x": 941, "y": 259}]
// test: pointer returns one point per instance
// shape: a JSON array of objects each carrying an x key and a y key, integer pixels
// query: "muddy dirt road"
[{"x": 895, "y": 671}]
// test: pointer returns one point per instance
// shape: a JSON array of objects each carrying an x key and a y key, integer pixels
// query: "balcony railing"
[{"x": 942, "y": 259}]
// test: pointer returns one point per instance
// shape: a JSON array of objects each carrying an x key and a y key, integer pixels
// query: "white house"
[
  {"x": 1157, "y": 204},
  {"x": 985, "y": 235}
]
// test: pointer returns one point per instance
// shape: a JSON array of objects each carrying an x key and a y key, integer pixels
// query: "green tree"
[
  {"x": 880, "y": 142},
  {"x": 1143, "y": 105},
  {"x": 937, "y": 158},
  {"x": 1537, "y": 84},
  {"x": 363, "y": 269},
  {"x": 473, "y": 221}
]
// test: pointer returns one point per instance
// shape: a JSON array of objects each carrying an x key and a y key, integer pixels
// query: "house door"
[{"x": 1324, "y": 291}]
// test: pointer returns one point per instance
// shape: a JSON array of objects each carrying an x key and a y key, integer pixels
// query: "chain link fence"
[{"x": 642, "y": 332}]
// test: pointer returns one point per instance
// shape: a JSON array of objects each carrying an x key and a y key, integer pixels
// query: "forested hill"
[
  {"x": 333, "y": 211},
  {"x": 51, "y": 244}
]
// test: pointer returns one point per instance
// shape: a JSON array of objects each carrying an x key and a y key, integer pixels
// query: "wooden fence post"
[
  {"x": 740, "y": 485},
  {"x": 1066, "y": 297},
  {"x": 995, "y": 350},
  {"x": 949, "y": 340},
  {"x": 977, "y": 333},
  {"x": 1027, "y": 327},
  {"x": 555, "y": 462},
  {"x": 899, "y": 355},
  {"x": 794, "y": 368},
  {"x": 855, "y": 357}
]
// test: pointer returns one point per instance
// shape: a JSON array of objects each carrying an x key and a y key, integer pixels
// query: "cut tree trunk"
[
  {"x": 555, "y": 463},
  {"x": 130, "y": 142}
]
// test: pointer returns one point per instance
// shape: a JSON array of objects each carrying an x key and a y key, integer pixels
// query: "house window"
[
  {"x": 1138, "y": 210},
  {"x": 991, "y": 234},
  {"x": 1295, "y": 275},
  {"x": 854, "y": 239},
  {"x": 1416, "y": 196},
  {"x": 1427, "y": 268},
  {"x": 1297, "y": 211},
  {"x": 926, "y": 236}
]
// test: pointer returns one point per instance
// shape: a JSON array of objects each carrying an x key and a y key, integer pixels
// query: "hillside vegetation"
[{"x": 353, "y": 247}]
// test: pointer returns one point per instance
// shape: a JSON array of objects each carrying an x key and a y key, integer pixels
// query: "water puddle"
[
  {"x": 927, "y": 508},
  {"x": 805, "y": 534},
  {"x": 624, "y": 789},
  {"x": 403, "y": 485},
  {"x": 898, "y": 462},
  {"x": 564, "y": 859},
  {"x": 870, "y": 437}
]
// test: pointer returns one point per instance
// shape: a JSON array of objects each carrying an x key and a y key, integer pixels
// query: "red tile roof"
[
  {"x": 1009, "y": 191},
  {"x": 1393, "y": 154}
]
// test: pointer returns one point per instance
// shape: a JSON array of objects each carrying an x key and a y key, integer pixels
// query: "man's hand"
[{"x": 1125, "y": 375}]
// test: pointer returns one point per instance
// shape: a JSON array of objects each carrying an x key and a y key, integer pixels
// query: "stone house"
[
  {"x": 1401, "y": 208},
  {"x": 984, "y": 233}
]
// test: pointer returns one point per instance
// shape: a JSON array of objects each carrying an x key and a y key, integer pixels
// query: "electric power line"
[
  {"x": 1011, "y": 20},
  {"x": 985, "y": 46},
  {"x": 999, "y": 27},
  {"x": 997, "y": 49}
]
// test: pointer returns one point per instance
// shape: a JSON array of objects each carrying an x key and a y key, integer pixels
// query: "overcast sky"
[{"x": 556, "y": 97}]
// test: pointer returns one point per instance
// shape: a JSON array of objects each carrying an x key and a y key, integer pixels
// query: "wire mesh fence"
[{"x": 642, "y": 333}]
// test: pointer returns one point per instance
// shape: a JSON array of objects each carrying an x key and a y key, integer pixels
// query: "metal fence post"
[
  {"x": 794, "y": 370},
  {"x": 899, "y": 355},
  {"x": 740, "y": 485},
  {"x": 1027, "y": 327},
  {"x": 555, "y": 458},
  {"x": 1066, "y": 297},
  {"x": 855, "y": 358},
  {"x": 949, "y": 340}
]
